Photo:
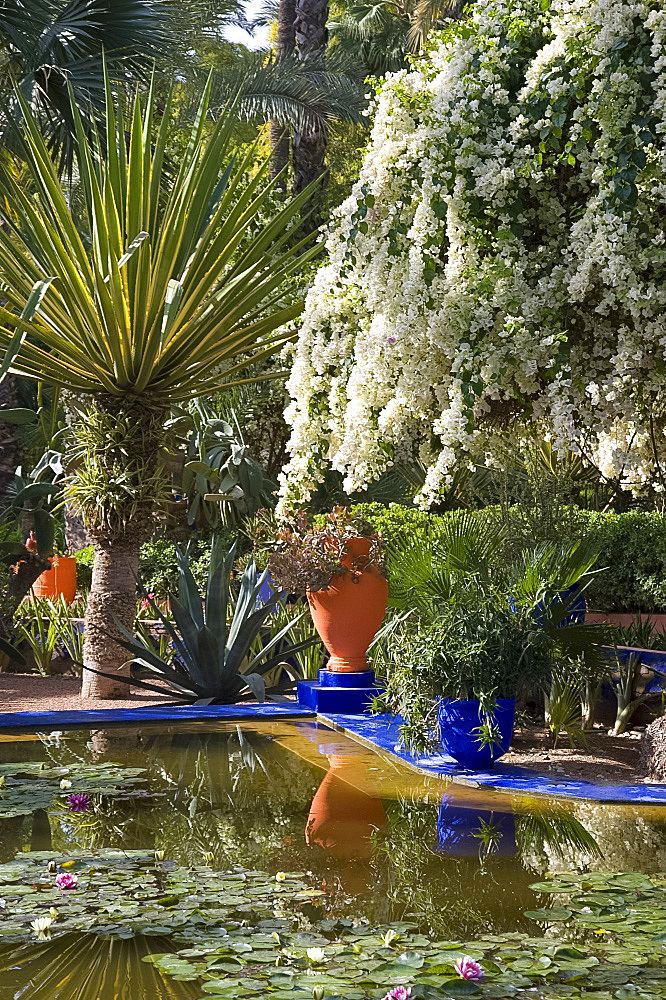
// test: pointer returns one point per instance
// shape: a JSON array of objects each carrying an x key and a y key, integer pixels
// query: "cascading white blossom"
[{"x": 502, "y": 255}]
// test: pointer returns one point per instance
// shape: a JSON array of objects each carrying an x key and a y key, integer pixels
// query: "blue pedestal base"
[{"x": 349, "y": 694}]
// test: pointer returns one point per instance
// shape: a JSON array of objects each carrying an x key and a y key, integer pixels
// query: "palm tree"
[
  {"x": 48, "y": 46},
  {"x": 378, "y": 36},
  {"x": 309, "y": 148},
  {"x": 178, "y": 284},
  {"x": 285, "y": 44}
]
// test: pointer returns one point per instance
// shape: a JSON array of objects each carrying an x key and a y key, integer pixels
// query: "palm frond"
[
  {"x": 559, "y": 832},
  {"x": 426, "y": 15},
  {"x": 173, "y": 298},
  {"x": 304, "y": 96},
  {"x": 50, "y": 46}
]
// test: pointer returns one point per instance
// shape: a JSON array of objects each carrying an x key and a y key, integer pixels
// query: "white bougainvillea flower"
[{"x": 502, "y": 257}]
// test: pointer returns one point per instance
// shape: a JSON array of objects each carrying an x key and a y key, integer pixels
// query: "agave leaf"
[
  {"x": 274, "y": 641},
  {"x": 175, "y": 637},
  {"x": 247, "y": 597},
  {"x": 188, "y": 592},
  {"x": 281, "y": 657},
  {"x": 132, "y": 681},
  {"x": 188, "y": 631},
  {"x": 208, "y": 662},
  {"x": 217, "y": 594},
  {"x": 247, "y": 631},
  {"x": 171, "y": 674},
  {"x": 256, "y": 685}
]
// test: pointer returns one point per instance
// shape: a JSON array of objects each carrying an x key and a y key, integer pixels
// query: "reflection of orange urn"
[
  {"x": 348, "y": 614},
  {"x": 342, "y": 818}
]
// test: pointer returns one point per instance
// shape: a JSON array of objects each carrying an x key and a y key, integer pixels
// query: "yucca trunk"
[
  {"x": 9, "y": 439},
  {"x": 119, "y": 487},
  {"x": 112, "y": 599}
]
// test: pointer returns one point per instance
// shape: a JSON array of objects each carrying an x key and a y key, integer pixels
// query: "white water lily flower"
[
  {"x": 42, "y": 926},
  {"x": 316, "y": 955},
  {"x": 65, "y": 783}
]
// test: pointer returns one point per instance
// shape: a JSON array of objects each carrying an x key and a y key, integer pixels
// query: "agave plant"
[
  {"x": 212, "y": 635},
  {"x": 182, "y": 279}
]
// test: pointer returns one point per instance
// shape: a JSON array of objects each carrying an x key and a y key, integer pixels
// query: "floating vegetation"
[
  {"x": 240, "y": 932},
  {"x": 33, "y": 785}
]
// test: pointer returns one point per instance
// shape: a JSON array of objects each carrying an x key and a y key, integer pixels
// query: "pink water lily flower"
[
  {"x": 399, "y": 993},
  {"x": 468, "y": 968},
  {"x": 65, "y": 880},
  {"x": 78, "y": 803}
]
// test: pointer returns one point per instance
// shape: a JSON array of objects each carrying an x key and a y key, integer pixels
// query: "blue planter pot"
[
  {"x": 574, "y": 601},
  {"x": 458, "y": 721},
  {"x": 460, "y": 831},
  {"x": 266, "y": 591}
]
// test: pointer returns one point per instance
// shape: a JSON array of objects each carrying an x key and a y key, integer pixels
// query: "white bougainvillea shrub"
[{"x": 502, "y": 256}]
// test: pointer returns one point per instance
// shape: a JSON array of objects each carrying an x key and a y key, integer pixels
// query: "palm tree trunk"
[
  {"x": 112, "y": 599},
  {"x": 284, "y": 47},
  {"x": 310, "y": 149}
]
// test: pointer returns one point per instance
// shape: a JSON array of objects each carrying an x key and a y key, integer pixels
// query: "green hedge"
[
  {"x": 632, "y": 547},
  {"x": 632, "y": 550}
]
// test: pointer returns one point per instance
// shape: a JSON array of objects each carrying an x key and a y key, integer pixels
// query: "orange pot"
[
  {"x": 348, "y": 614},
  {"x": 342, "y": 818},
  {"x": 58, "y": 581}
]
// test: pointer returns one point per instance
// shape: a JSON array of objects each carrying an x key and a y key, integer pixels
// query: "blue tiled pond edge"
[
  {"x": 376, "y": 732},
  {"x": 152, "y": 713},
  {"x": 382, "y": 733}
]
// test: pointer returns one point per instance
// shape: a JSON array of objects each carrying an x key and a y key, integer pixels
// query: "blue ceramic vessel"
[{"x": 458, "y": 720}]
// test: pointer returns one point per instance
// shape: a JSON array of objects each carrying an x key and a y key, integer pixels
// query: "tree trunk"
[
  {"x": 112, "y": 598},
  {"x": 284, "y": 47},
  {"x": 119, "y": 486},
  {"x": 310, "y": 149}
]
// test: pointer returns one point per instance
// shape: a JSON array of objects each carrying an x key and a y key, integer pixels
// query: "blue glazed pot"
[
  {"x": 266, "y": 591},
  {"x": 460, "y": 829},
  {"x": 457, "y": 721}
]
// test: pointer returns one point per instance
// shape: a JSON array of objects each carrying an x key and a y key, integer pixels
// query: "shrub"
[
  {"x": 631, "y": 546},
  {"x": 84, "y": 564}
]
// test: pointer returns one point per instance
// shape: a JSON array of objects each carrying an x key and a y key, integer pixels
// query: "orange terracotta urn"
[
  {"x": 59, "y": 581},
  {"x": 348, "y": 613},
  {"x": 343, "y": 818}
]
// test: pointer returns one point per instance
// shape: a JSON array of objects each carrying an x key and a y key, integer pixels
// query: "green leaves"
[
  {"x": 213, "y": 660},
  {"x": 32, "y": 785},
  {"x": 183, "y": 283}
]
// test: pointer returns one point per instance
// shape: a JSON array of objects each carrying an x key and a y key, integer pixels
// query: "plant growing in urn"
[
  {"x": 337, "y": 561},
  {"x": 178, "y": 284}
]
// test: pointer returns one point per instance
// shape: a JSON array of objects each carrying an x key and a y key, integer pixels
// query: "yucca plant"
[
  {"x": 177, "y": 282},
  {"x": 212, "y": 636}
]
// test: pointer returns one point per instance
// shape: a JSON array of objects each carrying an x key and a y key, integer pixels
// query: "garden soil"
[
  {"x": 34, "y": 693},
  {"x": 612, "y": 760}
]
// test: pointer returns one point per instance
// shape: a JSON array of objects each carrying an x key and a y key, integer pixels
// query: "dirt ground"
[
  {"x": 34, "y": 693},
  {"x": 613, "y": 760}
]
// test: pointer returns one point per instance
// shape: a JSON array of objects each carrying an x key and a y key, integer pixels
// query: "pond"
[{"x": 287, "y": 860}]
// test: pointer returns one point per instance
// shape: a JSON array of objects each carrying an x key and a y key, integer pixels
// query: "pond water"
[{"x": 375, "y": 839}]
